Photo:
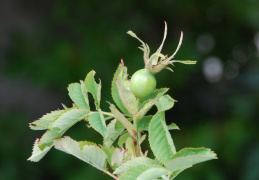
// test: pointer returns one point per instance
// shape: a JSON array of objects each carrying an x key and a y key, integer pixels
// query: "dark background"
[{"x": 46, "y": 45}]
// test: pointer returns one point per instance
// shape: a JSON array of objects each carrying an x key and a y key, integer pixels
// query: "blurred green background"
[{"x": 45, "y": 45}]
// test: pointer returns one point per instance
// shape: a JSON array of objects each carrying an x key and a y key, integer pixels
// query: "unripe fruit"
[{"x": 142, "y": 83}]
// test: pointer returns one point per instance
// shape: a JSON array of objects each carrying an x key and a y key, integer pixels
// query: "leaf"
[
  {"x": 97, "y": 121},
  {"x": 123, "y": 139},
  {"x": 108, "y": 151},
  {"x": 119, "y": 156},
  {"x": 129, "y": 144},
  {"x": 155, "y": 94},
  {"x": 69, "y": 118},
  {"x": 45, "y": 121},
  {"x": 130, "y": 128},
  {"x": 147, "y": 104},
  {"x": 144, "y": 172},
  {"x": 37, "y": 153},
  {"x": 160, "y": 140},
  {"x": 143, "y": 123},
  {"x": 94, "y": 88},
  {"x": 62, "y": 124},
  {"x": 114, "y": 129},
  {"x": 173, "y": 126},
  {"x": 90, "y": 154},
  {"x": 132, "y": 163},
  {"x": 187, "y": 157},
  {"x": 78, "y": 95},
  {"x": 165, "y": 103},
  {"x": 175, "y": 173},
  {"x": 120, "y": 73},
  {"x": 128, "y": 99}
]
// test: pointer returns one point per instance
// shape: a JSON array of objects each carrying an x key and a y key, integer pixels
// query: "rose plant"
[{"x": 125, "y": 127}]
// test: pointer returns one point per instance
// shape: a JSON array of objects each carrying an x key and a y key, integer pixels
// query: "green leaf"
[
  {"x": 114, "y": 129},
  {"x": 69, "y": 118},
  {"x": 147, "y": 104},
  {"x": 108, "y": 151},
  {"x": 144, "y": 172},
  {"x": 132, "y": 163},
  {"x": 120, "y": 73},
  {"x": 90, "y": 154},
  {"x": 45, "y": 121},
  {"x": 123, "y": 138},
  {"x": 187, "y": 157},
  {"x": 37, "y": 153},
  {"x": 173, "y": 126},
  {"x": 154, "y": 95},
  {"x": 119, "y": 156},
  {"x": 143, "y": 123},
  {"x": 129, "y": 144},
  {"x": 78, "y": 95},
  {"x": 175, "y": 173},
  {"x": 83, "y": 143},
  {"x": 130, "y": 128},
  {"x": 97, "y": 121},
  {"x": 94, "y": 88},
  {"x": 160, "y": 140},
  {"x": 62, "y": 124},
  {"x": 165, "y": 103},
  {"x": 128, "y": 99}
]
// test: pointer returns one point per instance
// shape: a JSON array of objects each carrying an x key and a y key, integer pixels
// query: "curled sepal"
[
  {"x": 37, "y": 153},
  {"x": 144, "y": 171},
  {"x": 91, "y": 154},
  {"x": 187, "y": 157},
  {"x": 94, "y": 88},
  {"x": 160, "y": 139},
  {"x": 158, "y": 61},
  {"x": 145, "y": 48}
]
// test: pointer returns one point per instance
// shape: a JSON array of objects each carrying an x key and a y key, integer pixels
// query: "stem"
[
  {"x": 136, "y": 147},
  {"x": 108, "y": 114}
]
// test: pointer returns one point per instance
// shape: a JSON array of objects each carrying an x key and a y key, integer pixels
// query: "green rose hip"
[{"x": 142, "y": 83}]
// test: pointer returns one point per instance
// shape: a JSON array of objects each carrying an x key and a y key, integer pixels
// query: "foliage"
[{"x": 127, "y": 122}]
